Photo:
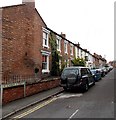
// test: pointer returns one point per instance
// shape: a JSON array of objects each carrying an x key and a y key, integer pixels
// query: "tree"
[
  {"x": 55, "y": 57},
  {"x": 78, "y": 62}
]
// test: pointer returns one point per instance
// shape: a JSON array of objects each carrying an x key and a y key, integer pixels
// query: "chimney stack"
[
  {"x": 63, "y": 35},
  {"x": 30, "y": 3},
  {"x": 78, "y": 45}
]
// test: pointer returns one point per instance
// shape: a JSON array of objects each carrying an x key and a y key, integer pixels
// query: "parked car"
[
  {"x": 97, "y": 74},
  {"x": 110, "y": 67},
  {"x": 77, "y": 77},
  {"x": 103, "y": 72}
]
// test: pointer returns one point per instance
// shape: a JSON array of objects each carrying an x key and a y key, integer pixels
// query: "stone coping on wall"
[
  {"x": 22, "y": 83},
  {"x": 21, "y": 91}
]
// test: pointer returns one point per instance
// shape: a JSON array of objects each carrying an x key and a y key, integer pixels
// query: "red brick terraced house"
[
  {"x": 22, "y": 41},
  {"x": 99, "y": 61},
  {"x": 65, "y": 48},
  {"x": 26, "y": 50},
  {"x": 113, "y": 63}
]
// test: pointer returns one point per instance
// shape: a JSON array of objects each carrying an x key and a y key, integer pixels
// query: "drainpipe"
[
  {"x": 1, "y": 96},
  {"x": 1, "y": 87}
]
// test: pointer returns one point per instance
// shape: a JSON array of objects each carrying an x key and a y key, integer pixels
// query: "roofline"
[
  {"x": 64, "y": 38},
  {"x": 95, "y": 57},
  {"x": 22, "y": 5},
  {"x": 68, "y": 40},
  {"x": 60, "y": 35},
  {"x": 40, "y": 17},
  {"x": 11, "y": 6},
  {"x": 71, "y": 42}
]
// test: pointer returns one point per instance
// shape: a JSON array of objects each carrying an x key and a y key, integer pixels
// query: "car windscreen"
[
  {"x": 93, "y": 71},
  {"x": 70, "y": 71}
]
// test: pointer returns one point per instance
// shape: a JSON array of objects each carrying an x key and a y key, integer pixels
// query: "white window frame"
[
  {"x": 78, "y": 52},
  {"x": 71, "y": 58},
  {"x": 67, "y": 62},
  {"x": 71, "y": 49},
  {"x": 47, "y": 32},
  {"x": 66, "y": 49},
  {"x": 46, "y": 53},
  {"x": 58, "y": 39},
  {"x": 81, "y": 53},
  {"x": 60, "y": 63}
]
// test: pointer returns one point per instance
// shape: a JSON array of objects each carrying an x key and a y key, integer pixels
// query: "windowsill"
[
  {"x": 45, "y": 71},
  {"x": 59, "y": 50},
  {"x": 45, "y": 46},
  {"x": 66, "y": 53}
]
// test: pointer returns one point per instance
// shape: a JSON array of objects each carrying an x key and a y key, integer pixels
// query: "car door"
[
  {"x": 84, "y": 75},
  {"x": 90, "y": 77}
]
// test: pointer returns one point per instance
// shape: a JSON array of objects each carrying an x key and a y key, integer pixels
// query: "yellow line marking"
[{"x": 35, "y": 108}]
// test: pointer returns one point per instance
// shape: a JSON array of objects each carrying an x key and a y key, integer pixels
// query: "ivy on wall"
[{"x": 55, "y": 57}]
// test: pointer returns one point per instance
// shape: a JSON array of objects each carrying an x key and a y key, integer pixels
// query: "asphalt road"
[{"x": 97, "y": 102}]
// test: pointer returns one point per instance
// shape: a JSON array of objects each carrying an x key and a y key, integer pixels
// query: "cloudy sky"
[{"x": 89, "y": 22}]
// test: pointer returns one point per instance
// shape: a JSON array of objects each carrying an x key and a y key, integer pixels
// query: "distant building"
[
  {"x": 99, "y": 61},
  {"x": 113, "y": 63}
]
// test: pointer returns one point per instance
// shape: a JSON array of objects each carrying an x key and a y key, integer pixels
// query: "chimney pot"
[
  {"x": 28, "y": 1},
  {"x": 63, "y": 35}
]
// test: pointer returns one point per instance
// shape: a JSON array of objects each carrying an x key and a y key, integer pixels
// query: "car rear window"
[
  {"x": 70, "y": 71},
  {"x": 93, "y": 71},
  {"x": 84, "y": 71}
]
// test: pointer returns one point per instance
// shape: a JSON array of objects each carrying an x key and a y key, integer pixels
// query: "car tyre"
[
  {"x": 65, "y": 88},
  {"x": 94, "y": 83},
  {"x": 85, "y": 87}
]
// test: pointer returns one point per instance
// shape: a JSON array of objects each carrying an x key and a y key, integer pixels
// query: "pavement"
[{"x": 20, "y": 104}]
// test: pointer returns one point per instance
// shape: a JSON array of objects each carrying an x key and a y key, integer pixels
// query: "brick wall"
[
  {"x": 22, "y": 40},
  {"x": 10, "y": 94},
  {"x": 14, "y": 93}
]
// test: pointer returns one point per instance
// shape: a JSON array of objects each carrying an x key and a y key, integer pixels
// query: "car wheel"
[
  {"x": 85, "y": 87},
  {"x": 94, "y": 83},
  {"x": 65, "y": 88}
]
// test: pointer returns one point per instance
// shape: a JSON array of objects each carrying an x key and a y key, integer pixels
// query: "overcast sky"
[{"x": 89, "y": 22}]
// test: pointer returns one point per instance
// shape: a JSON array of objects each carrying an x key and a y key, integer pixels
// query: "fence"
[
  {"x": 16, "y": 80},
  {"x": 25, "y": 86}
]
